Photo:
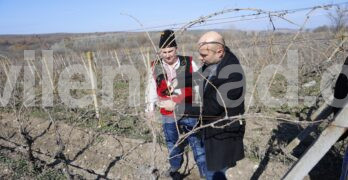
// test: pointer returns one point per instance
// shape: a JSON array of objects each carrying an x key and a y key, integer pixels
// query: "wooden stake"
[
  {"x": 118, "y": 62},
  {"x": 89, "y": 56},
  {"x": 319, "y": 148},
  {"x": 322, "y": 113}
]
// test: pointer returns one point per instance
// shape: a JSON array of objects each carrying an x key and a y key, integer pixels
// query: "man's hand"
[
  {"x": 168, "y": 105},
  {"x": 174, "y": 83}
]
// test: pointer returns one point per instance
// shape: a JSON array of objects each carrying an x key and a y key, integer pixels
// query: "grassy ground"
[{"x": 14, "y": 166}]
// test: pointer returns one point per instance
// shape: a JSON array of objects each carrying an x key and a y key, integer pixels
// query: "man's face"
[
  {"x": 208, "y": 55},
  {"x": 169, "y": 55}
]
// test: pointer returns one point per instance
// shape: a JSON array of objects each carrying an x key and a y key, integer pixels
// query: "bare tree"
[{"x": 338, "y": 18}]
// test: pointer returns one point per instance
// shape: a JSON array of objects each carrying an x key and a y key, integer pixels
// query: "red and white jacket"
[{"x": 161, "y": 74}]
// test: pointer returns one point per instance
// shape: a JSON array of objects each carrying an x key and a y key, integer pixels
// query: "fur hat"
[{"x": 167, "y": 39}]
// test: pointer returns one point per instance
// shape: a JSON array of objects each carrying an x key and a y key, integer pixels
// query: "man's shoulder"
[
  {"x": 184, "y": 60},
  {"x": 184, "y": 57},
  {"x": 231, "y": 66},
  {"x": 233, "y": 58}
]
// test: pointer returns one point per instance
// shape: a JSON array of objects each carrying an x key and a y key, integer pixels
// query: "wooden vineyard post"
[
  {"x": 89, "y": 56},
  {"x": 320, "y": 147},
  {"x": 322, "y": 113},
  {"x": 118, "y": 62}
]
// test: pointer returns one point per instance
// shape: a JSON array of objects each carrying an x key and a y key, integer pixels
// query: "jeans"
[
  {"x": 176, "y": 154},
  {"x": 216, "y": 175},
  {"x": 344, "y": 172}
]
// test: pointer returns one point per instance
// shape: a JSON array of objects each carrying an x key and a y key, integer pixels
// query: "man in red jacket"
[{"x": 164, "y": 71}]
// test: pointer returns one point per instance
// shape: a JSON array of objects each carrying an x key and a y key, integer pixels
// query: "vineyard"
[{"x": 72, "y": 105}]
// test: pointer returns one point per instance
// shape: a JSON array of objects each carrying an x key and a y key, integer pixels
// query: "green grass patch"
[{"x": 20, "y": 169}]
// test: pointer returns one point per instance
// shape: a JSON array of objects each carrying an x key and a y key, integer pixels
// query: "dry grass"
[{"x": 255, "y": 50}]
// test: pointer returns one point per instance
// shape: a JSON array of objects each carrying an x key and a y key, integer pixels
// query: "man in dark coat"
[{"x": 222, "y": 88}]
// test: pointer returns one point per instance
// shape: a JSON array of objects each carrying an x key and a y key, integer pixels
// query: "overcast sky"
[{"x": 74, "y": 16}]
